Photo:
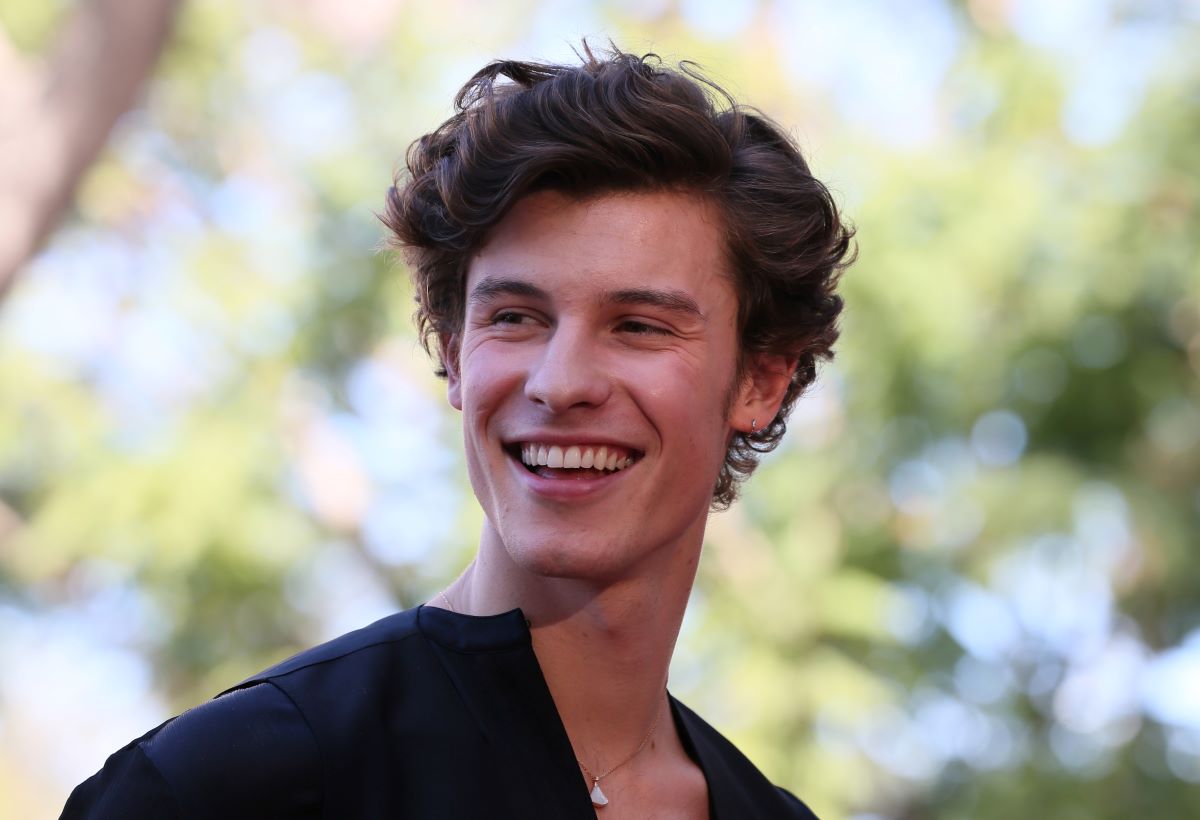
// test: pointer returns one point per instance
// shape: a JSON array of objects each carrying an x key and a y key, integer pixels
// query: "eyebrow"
[
  {"x": 675, "y": 301},
  {"x": 487, "y": 290}
]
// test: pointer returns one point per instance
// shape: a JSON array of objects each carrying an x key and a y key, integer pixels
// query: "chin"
[{"x": 572, "y": 558}]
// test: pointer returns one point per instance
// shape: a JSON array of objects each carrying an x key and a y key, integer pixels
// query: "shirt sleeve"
[
  {"x": 249, "y": 753},
  {"x": 128, "y": 786},
  {"x": 802, "y": 812}
]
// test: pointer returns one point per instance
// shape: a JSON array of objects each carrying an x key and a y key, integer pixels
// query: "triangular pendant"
[{"x": 598, "y": 798}]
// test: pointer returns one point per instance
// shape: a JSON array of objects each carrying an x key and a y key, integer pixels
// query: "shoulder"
[
  {"x": 736, "y": 784},
  {"x": 245, "y": 754},
  {"x": 342, "y": 687},
  {"x": 350, "y": 648},
  {"x": 252, "y": 750},
  {"x": 799, "y": 810}
]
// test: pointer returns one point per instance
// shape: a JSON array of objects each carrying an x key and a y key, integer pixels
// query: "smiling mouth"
[{"x": 573, "y": 461}]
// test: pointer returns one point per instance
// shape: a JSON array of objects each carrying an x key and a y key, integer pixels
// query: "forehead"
[{"x": 574, "y": 247}]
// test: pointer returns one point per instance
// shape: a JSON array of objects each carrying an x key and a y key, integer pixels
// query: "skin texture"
[{"x": 609, "y": 320}]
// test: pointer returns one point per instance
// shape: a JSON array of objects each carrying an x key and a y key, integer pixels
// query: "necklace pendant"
[{"x": 598, "y": 798}]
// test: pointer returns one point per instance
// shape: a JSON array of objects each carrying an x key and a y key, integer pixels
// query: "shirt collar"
[{"x": 474, "y": 633}]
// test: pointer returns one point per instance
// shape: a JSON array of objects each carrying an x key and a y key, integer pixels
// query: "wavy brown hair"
[{"x": 618, "y": 122}]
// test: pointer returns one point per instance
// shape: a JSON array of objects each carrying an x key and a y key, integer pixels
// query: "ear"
[
  {"x": 761, "y": 392},
  {"x": 448, "y": 351}
]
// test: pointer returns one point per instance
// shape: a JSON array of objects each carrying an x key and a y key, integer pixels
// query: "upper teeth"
[{"x": 579, "y": 456}]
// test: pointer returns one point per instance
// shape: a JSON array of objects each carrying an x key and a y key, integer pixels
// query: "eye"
[
  {"x": 637, "y": 328},
  {"x": 509, "y": 317}
]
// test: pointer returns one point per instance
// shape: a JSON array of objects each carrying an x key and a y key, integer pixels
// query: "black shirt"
[{"x": 424, "y": 714}]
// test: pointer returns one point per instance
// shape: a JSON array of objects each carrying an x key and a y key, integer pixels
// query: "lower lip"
[{"x": 568, "y": 488}]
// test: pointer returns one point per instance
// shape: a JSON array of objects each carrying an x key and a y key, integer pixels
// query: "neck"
[{"x": 604, "y": 647}]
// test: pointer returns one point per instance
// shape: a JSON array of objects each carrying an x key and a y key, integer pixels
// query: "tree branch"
[{"x": 57, "y": 119}]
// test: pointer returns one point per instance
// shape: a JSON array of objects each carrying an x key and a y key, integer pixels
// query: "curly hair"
[{"x": 619, "y": 122}]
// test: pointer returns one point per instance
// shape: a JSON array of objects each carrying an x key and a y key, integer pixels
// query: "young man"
[{"x": 627, "y": 288}]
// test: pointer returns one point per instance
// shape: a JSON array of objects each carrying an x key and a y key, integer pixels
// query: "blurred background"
[{"x": 967, "y": 586}]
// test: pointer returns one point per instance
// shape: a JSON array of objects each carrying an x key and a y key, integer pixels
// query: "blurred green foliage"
[{"x": 965, "y": 586}]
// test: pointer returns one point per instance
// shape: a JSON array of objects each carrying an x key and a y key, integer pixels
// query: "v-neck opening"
[
  {"x": 689, "y": 747},
  {"x": 474, "y": 634}
]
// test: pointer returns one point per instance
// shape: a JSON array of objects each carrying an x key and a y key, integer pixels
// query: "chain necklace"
[{"x": 597, "y": 794}]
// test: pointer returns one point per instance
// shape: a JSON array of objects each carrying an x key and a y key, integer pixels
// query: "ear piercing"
[{"x": 753, "y": 425}]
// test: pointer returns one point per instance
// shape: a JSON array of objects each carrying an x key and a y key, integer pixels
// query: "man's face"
[{"x": 596, "y": 364}]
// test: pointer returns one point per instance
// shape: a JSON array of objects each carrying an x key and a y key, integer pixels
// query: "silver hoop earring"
[{"x": 753, "y": 425}]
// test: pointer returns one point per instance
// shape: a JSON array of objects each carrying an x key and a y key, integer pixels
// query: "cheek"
[
  {"x": 489, "y": 379},
  {"x": 479, "y": 375},
  {"x": 689, "y": 405}
]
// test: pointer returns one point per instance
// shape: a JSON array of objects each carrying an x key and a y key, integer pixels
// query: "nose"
[{"x": 568, "y": 373}]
